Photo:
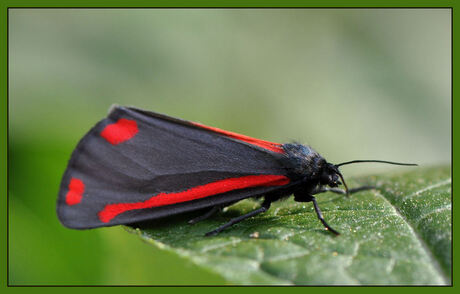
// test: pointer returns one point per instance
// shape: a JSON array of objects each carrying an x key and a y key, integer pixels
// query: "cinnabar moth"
[{"x": 137, "y": 165}]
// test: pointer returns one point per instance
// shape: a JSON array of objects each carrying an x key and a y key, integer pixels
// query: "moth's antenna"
[
  {"x": 379, "y": 161},
  {"x": 343, "y": 181}
]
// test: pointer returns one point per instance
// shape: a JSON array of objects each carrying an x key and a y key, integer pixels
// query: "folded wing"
[{"x": 137, "y": 165}]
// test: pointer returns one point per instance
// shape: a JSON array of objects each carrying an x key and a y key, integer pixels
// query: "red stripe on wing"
[
  {"x": 275, "y": 147},
  {"x": 112, "y": 210}
]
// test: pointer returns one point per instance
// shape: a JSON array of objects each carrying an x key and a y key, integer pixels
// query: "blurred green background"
[{"x": 354, "y": 84}]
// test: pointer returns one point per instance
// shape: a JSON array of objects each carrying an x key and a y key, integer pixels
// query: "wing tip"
[
  {"x": 65, "y": 221},
  {"x": 72, "y": 222}
]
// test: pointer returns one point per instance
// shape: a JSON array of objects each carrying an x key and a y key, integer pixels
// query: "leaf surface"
[{"x": 399, "y": 233}]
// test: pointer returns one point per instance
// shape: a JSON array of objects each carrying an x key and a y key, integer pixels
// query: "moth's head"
[{"x": 330, "y": 176}]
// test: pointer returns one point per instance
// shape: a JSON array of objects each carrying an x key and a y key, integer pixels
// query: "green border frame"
[{"x": 6, "y": 4}]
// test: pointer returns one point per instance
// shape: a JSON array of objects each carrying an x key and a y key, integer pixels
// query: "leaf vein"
[
  {"x": 428, "y": 188},
  {"x": 437, "y": 210},
  {"x": 428, "y": 252}
]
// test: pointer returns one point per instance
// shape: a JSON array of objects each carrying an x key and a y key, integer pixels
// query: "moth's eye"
[{"x": 325, "y": 178}]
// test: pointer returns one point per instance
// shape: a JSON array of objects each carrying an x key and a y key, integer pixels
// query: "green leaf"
[{"x": 399, "y": 233}]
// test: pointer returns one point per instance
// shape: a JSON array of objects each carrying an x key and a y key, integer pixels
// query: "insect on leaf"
[{"x": 397, "y": 234}]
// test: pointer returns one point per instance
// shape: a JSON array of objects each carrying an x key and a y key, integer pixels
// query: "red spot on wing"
[
  {"x": 75, "y": 193},
  {"x": 275, "y": 147},
  {"x": 119, "y": 132},
  {"x": 112, "y": 210}
]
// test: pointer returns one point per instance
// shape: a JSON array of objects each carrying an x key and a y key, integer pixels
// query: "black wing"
[{"x": 137, "y": 165}]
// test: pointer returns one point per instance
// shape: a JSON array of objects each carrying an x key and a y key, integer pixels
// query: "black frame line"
[{"x": 223, "y": 7}]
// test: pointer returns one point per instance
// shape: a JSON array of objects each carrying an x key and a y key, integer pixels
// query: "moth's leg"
[
  {"x": 209, "y": 213},
  {"x": 303, "y": 197},
  {"x": 321, "y": 218},
  {"x": 341, "y": 191},
  {"x": 265, "y": 206}
]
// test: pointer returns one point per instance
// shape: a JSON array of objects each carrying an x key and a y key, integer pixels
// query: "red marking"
[
  {"x": 75, "y": 193},
  {"x": 275, "y": 147},
  {"x": 112, "y": 210},
  {"x": 122, "y": 130}
]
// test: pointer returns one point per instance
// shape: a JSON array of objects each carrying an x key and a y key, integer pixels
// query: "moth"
[{"x": 137, "y": 165}]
